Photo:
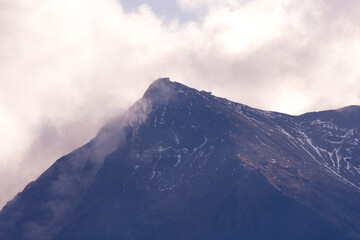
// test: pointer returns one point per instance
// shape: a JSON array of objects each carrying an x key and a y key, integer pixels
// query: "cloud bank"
[{"x": 68, "y": 66}]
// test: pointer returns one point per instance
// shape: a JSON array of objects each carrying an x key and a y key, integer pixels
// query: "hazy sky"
[{"x": 66, "y": 66}]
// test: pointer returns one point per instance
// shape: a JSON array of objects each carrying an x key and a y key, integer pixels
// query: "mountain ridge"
[{"x": 178, "y": 141}]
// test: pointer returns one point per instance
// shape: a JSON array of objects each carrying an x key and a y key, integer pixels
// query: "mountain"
[{"x": 184, "y": 164}]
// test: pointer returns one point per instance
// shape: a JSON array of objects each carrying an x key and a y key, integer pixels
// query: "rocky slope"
[{"x": 184, "y": 164}]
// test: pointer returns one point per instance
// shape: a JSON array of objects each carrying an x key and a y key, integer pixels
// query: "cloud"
[
  {"x": 201, "y": 5},
  {"x": 66, "y": 66}
]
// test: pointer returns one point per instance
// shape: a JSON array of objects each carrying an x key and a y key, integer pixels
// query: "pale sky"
[
  {"x": 66, "y": 66},
  {"x": 170, "y": 9}
]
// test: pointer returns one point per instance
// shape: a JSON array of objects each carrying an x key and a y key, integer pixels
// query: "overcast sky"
[{"x": 66, "y": 66}]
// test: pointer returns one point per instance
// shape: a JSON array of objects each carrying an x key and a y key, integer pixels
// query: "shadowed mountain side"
[{"x": 183, "y": 164}]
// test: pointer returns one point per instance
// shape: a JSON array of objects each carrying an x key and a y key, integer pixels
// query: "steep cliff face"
[{"x": 183, "y": 164}]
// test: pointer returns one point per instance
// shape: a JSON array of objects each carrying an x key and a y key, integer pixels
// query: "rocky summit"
[{"x": 183, "y": 164}]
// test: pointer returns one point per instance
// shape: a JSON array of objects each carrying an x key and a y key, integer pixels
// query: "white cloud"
[
  {"x": 67, "y": 66},
  {"x": 190, "y": 5}
]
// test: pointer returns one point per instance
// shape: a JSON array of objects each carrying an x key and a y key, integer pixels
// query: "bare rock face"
[{"x": 184, "y": 164}]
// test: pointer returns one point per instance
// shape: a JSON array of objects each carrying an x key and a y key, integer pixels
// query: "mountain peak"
[
  {"x": 183, "y": 164},
  {"x": 163, "y": 80},
  {"x": 162, "y": 90}
]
